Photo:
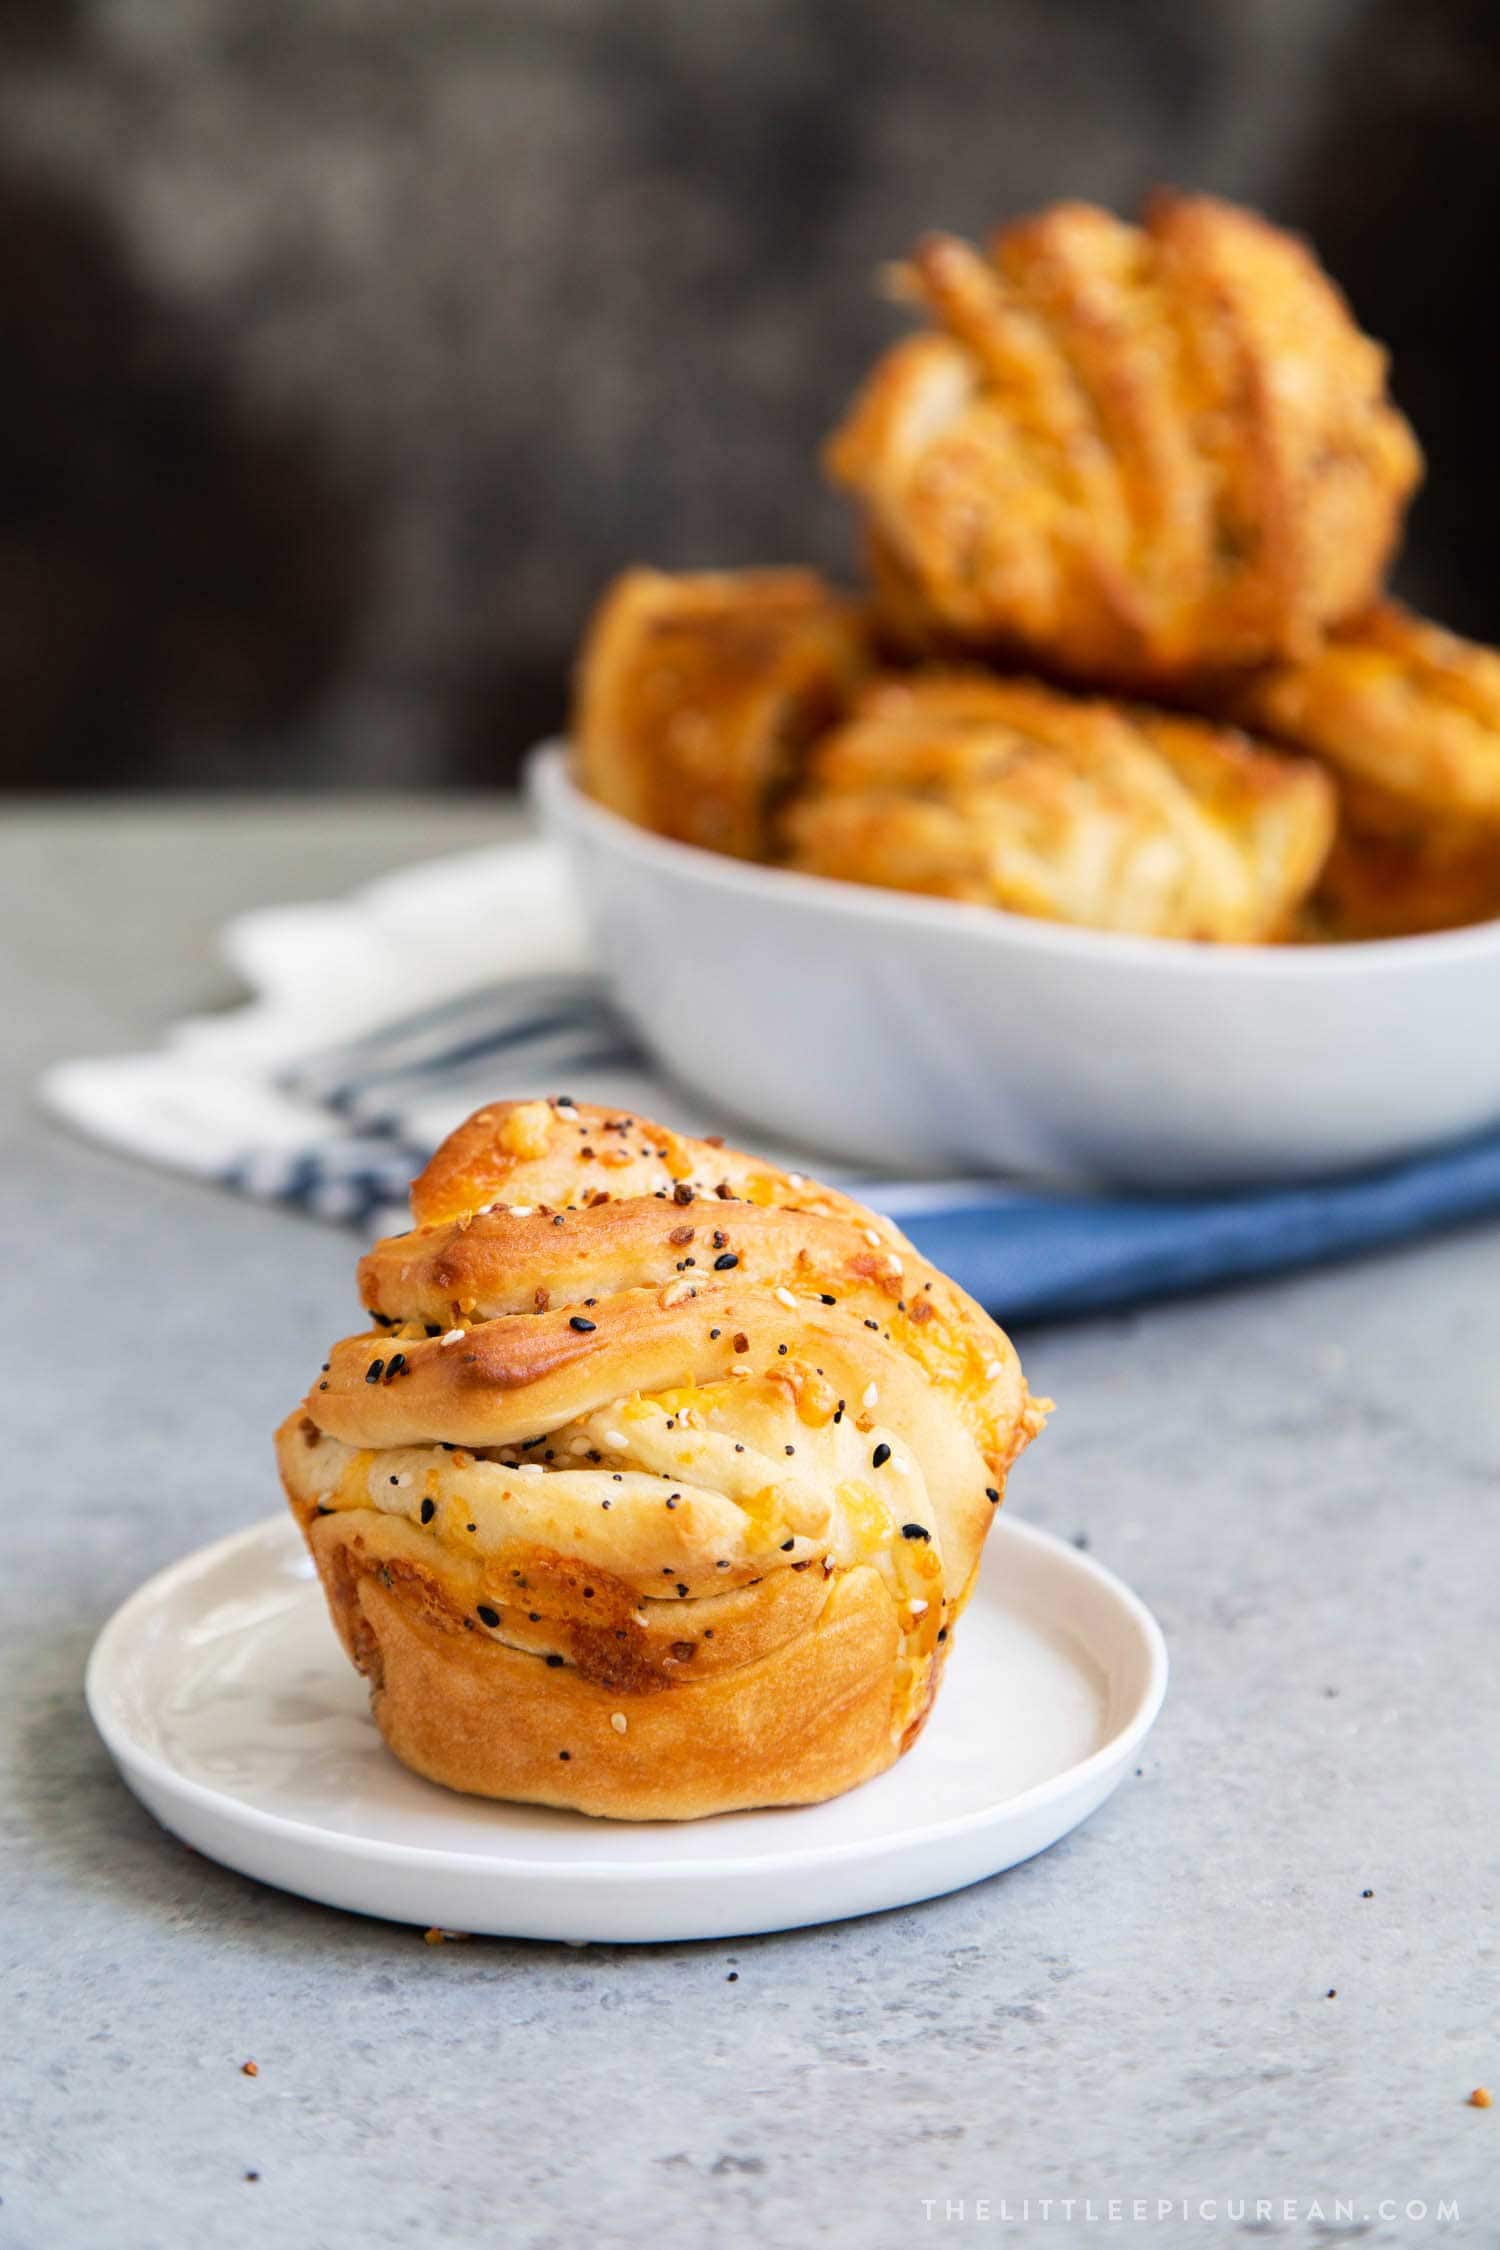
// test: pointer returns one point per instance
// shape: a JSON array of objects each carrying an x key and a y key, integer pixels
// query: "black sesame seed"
[
  {"x": 723, "y": 1263},
  {"x": 535, "y": 1616},
  {"x": 394, "y": 1366},
  {"x": 565, "y": 1755},
  {"x": 432, "y": 1328},
  {"x": 992, "y": 1496},
  {"x": 825, "y": 1299},
  {"x": 471, "y": 1527},
  {"x": 374, "y": 1371},
  {"x": 429, "y": 1510},
  {"x": 681, "y": 1589},
  {"x": 554, "y": 1663},
  {"x": 942, "y": 1632},
  {"x": 791, "y": 1449},
  {"x": 725, "y": 1566},
  {"x": 488, "y": 1616},
  {"x": 880, "y": 1456},
  {"x": 714, "y": 1334},
  {"x": 584, "y": 1327},
  {"x": 673, "y": 1498},
  {"x": 787, "y": 1545},
  {"x": 915, "y": 1531},
  {"x": 872, "y": 1324}
]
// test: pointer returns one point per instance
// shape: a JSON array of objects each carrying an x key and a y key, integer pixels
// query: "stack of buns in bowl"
[{"x": 1125, "y": 659}]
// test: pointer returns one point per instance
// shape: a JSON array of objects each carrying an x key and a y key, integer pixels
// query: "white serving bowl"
[{"x": 919, "y": 1035}]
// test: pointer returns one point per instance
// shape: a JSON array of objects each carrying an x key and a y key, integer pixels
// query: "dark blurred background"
[{"x": 348, "y": 346}]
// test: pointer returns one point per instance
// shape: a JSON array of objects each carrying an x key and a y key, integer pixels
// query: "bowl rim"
[{"x": 549, "y": 783}]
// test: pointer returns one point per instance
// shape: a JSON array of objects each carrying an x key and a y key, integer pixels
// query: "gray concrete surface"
[{"x": 1299, "y": 1478}]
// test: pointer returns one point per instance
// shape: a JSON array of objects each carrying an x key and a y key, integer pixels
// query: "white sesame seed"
[
  {"x": 454, "y": 1336},
  {"x": 798, "y": 1179},
  {"x": 785, "y": 1297},
  {"x": 522, "y": 1210},
  {"x": 872, "y": 1238},
  {"x": 674, "y": 1293},
  {"x": 893, "y": 1265},
  {"x": 871, "y": 1395},
  {"x": 530, "y": 1469},
  {"x": 745, "y": 1371},
  {"x": 901, "y": 1468},
  {"x": 403, "y": 1480},
  {"x": 615, "y": 1440},
  {"x": 618, "y": 1721},
  {"x": 992, "y": 1371},
  {"x": 918, "y": 1609}
]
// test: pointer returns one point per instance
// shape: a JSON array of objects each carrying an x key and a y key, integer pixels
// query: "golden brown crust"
[
  {"x": 1407, "y": 718},
  {"x": 1398, "y": 705},
  {"x": 694, "y": 1484},
  {"x": 1016, "y": 795},
  {"x": 1130, "y": 454},
  {"x": 697, "y": 693},
  {"x": 805, "y": 1721},
  {"x": 1398, "y": 872}
]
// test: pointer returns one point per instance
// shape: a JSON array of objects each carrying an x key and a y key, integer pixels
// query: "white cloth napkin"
[{"x": 375, "y": 1023}]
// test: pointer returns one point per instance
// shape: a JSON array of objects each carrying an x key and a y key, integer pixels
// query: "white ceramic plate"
[
  {"x": 234, "y": 1716},
  {"x": 915, "y": 1034}
]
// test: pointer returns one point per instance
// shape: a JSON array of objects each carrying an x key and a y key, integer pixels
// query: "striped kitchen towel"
[{"x": 376, "y": 1022}]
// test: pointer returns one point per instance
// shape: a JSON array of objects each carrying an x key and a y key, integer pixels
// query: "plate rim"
[{"x": 131, "y": 1758}]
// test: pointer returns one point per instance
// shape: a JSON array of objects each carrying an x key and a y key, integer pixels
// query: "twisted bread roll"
[
  {"x": 660, "y": 1478},
  {"x": 1126, "y": 453},
  {"x": 1407, "y": 718},
  {"x": 697, "y": 692},
  {"x": 1016, "y": 795}
]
